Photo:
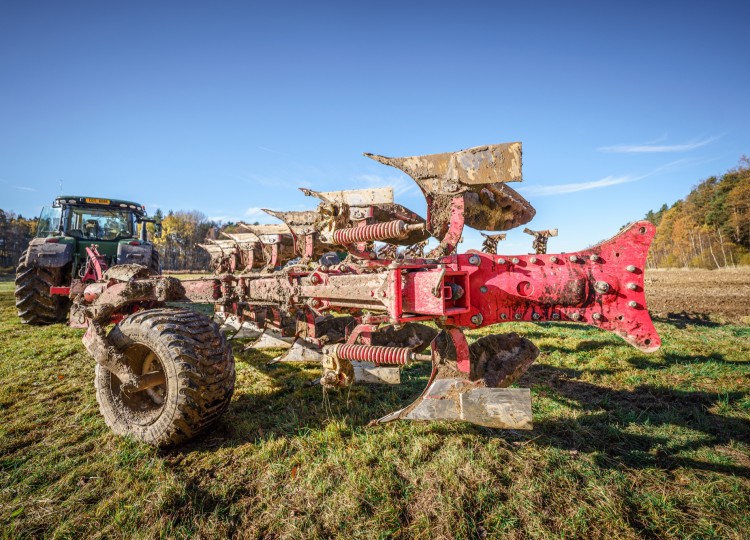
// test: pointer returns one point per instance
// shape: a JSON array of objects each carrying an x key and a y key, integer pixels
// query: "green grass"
[{"x": 625, "y": 445}]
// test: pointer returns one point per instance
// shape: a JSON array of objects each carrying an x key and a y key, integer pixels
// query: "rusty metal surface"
[{"x": 451, "y": 171}]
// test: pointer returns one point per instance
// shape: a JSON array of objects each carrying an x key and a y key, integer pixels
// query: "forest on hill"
[{"x": 710, "y": 228}]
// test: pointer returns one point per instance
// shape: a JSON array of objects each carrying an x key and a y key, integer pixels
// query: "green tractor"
[{"x": 77, "y": 240}]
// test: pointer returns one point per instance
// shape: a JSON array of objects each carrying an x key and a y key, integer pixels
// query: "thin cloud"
[
  {"x": 400, "y": 184},
  {"x": 255, "y": 211},
  {"x": 25, "y": 188},
  {"x": 560, "y": 189},
  {"x": 266, "y": 149},
  {"x": 656, "y": 148}
]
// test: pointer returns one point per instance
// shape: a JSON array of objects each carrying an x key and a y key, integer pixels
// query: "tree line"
[
  {"x": 15, "y": 233},
  {"x": 710, "y": 228}
]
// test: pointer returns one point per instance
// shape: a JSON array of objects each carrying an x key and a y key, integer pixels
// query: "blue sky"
[{"x": 227, "y": 107}]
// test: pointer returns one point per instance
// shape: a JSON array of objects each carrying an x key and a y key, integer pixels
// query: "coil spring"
[
  {"x": 373, "y": 353},
  {"x": 369, "y": 233}
]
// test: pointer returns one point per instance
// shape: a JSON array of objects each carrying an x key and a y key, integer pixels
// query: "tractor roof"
[{"x": 76, "y": 200}]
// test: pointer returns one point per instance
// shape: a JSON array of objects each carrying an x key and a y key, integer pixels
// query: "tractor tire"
[
  {"x": 199, "y": 376},
  {"x": 34, "y": 302},
  {"x": 155, "y": 265}
]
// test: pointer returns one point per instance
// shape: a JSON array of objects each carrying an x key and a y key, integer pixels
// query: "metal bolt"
[
  {"x": 601, "y": 287},
  {"x": 553, "y": 259},
  {"x": 555, "y": 316},
  {"x": 575, "y": 316},
  {"x": 515, "y": 260},
  {"x": 483, "y": 289},
  {"x": 315, "y": 302},
  {"x": 517, "y": 316},
  {"x": 535, "y": 316},
  {"x": 315, "y": 279},
  {"x": 633, "y": 303},
  {"x": 477, "y": 319},
  {"x": 573, "y": 258},
  {"x": 501, "y": 261},
  {"x": 594, "y": 258},
  {"x": 533, "y": 260},
  {"x": 630, "y": 268},
  {"x": 503, "y": 316},
  {"x": 632, "y": 286},
  {"x": 474, "y": 260},
  {"x": 323, "y": 268},
  {"x": 597, "y": 316}
]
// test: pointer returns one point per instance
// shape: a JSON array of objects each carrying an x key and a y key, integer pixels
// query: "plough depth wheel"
[{"x": 192, "y": 372}]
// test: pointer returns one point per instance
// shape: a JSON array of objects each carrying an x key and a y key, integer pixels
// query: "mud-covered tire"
[
  {"x": 34, "y": 303},
  {"x": 155, "y": 265},
  {"x": 199, "y": 371}
]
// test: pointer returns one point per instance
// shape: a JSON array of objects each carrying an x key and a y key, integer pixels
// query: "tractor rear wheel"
[
  {"x": 34, "y": 302},
  {"x": 155, "y": 266},
  {"x": 198, "y": 369}
]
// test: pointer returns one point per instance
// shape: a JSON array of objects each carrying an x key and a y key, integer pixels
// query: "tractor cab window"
[
  {"x": 49, "y": 222},
  {"x": 91, "y": 223}
]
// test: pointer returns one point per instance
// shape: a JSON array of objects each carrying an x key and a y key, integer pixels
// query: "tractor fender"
[
  {"x": 140, "y": 254},
  {"x": 48, "y": 254}
]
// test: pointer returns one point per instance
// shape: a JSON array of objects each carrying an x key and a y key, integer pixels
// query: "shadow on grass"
[
  {"x": 633, "y": 429},
  {"x": 611, "y": 425},
  {"x": 290, "y": 406},
  {"x": 682, "y": 319},
  {"x": 669, "y": 359}
]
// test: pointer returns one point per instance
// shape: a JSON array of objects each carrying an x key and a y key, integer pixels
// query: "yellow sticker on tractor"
[{"x": 97, "y": 201}]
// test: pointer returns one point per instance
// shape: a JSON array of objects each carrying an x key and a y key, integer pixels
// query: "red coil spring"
[
  {"x": 369, "y": 233},
  {"x": 372, "y": 353}
]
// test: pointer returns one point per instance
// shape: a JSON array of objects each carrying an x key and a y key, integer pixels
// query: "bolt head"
[
  {"x": 553, "y": 259},
  {"x": 630, "y": 268},
  {"x": 573, "y": 258},
  {"x": 517, "y": 316},
  {"x": 515, "y": 260},
  {"x": 477, "y": 319},
  {"x": 597, "y": 316},
  {"x": 632, "y": 286},
  {"x": 315, "y": 279},
  {"x": 555, "y": 316},
  {"x": 501, "y": 261},
  {"x": 601, "y": 287},
  {"x": 533, "y": 260},
  {"x": 503, "y": 316},
  {"x": 633, "y": 303},
  {"x": 315, "y": 302},
  {"x": 483, "y": 289},
  {"x": 575, "y": 316},
  {"x": 474, "y": 260},
  {"x": 536, "y": 316},
  {"x": 594, "y": 258}
]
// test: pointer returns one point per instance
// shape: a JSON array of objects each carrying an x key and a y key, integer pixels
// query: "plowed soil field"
[{"x": 699, "y": 294}]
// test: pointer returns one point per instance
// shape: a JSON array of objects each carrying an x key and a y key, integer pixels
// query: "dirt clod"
[{"x": 500, "y": 359}]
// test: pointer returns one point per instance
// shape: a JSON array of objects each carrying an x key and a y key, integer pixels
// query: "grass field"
[{"x": 625, "y": 445}]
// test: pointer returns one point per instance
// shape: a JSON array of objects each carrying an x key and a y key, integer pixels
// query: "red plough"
[{"x": 320, "y": 285}]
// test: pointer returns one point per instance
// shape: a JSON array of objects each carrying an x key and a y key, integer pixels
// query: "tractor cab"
[
  {"x": 109, "y": 226},
  {"x": 77, "y": 240}
]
